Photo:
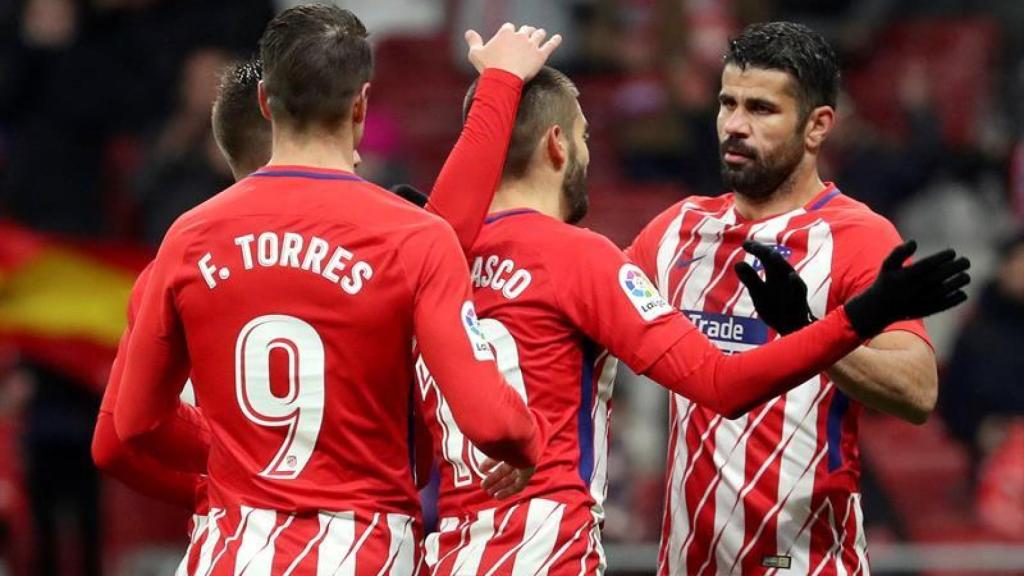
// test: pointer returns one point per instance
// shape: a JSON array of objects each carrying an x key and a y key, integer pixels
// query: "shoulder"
[
  {"x": 856, "y": 221},
  {"x": 690, "y": 204}
]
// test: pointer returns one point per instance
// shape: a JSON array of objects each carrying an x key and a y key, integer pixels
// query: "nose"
[{"x": 736, "y": 123}]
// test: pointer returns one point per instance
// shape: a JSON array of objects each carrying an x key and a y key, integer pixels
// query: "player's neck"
[
  {"x": 524, "y": 193},
  {"x": 796, "y": 191},
  {"x": 319, "y": 150}
]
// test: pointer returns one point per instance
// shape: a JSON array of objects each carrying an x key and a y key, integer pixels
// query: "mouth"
[{"x": 735, "y": 158}]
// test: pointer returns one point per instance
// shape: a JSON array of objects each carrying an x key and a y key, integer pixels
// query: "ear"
[
  {"x": 359, "y": 107},
  {"x": 819, "y": 125},
  {"x": 261, "y": 95},
  {"x": 556, "y": 149}
]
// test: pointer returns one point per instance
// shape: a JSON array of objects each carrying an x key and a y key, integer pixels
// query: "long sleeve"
[
  {"x": 733, "y": 384},
  {"x": 460, "y": 360},
  {"x": 148, "y": 415},
  {"x": 187, "y": 434},
  {"x": 466, "y": 184},
  {"x": 615, "y": 304}
]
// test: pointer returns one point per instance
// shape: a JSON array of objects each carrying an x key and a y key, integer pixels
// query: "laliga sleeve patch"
[
  {"x": 641, "y": 292},
  {"x": 481, "y": 349}
]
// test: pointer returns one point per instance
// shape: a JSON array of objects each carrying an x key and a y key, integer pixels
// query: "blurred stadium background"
[{"x": 105, "y": 139}]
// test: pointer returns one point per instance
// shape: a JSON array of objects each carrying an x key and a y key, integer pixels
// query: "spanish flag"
[{"x": 63, "y": 301}]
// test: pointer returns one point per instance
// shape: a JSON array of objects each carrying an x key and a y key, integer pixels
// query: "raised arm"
[
  {"x": 471, "y": 174},
  {"x": 656, "y": 340}
]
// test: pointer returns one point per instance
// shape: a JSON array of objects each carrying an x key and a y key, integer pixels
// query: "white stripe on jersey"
[
  {"x": 698, "y": 276},
  {"x": 801, "y": 407},
  {"x": 667, "y": 251},
  {"x": 325, "y": 521},
  {"x": 233, "y": 538},
  {"x": 212, "y": 539},
  {"x": 400, "y": 550},
  {"x": 860, "y": 543},
  {"x": 680, "y": 519},
  {"x": 252, "y": 558},
  {"x": 731, "y": 465},
  {"x": 543, "y": 522},
  {"x": 601, "y": 415},
  {"x": 480, "y": 532},
  {"x": 432, "y": 543},
  {"x": 199, "y": 524},
  {"x": 339, "y": 533}
]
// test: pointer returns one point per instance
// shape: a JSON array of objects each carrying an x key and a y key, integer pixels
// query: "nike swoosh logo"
[{"x": 685, "y": 262}]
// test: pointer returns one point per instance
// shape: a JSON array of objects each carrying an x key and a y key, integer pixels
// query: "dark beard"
[
  {"x": 574, "y": 189},
  {"x": 762, "y": 177}
]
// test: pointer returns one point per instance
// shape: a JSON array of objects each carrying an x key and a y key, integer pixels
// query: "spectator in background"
[
  {"x": 984, "y": 377},
  {"x": 60, "y": 477},
  {"x": 879, "y": 169},
  {"x": 393, "y": 17},
  {"x": 56, "y": 125},
  {"x": 184, "y": 166}
]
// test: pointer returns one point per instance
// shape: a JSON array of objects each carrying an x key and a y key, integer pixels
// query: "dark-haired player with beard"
[
  {"x": 777, "y": 489},
  {"x": 556, "y": 303}
]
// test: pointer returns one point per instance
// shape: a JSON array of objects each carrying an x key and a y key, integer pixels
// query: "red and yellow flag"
[{"x": 63, "y": 301}]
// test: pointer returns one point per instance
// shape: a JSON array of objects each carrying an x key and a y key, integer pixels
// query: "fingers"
[
  {"x": 775, "y": 266},
  {"x": 899, "y": 255},
  {"x": 527, "y": 30},
  {"x": 553, "y": 43},
  {"x": 749, "y": 278},
  {"x": 474, "y": 40},
  {"x": 538, "y": 36},
  {"x": 507, "y": 27},
  {"x": 498, "y": 478},
  {"x": 957, "y": 282},
  {"x": 760, "y": 251}
]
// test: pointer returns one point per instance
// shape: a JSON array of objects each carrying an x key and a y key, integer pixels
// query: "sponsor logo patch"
[
  {"x": 784, "y": 251},
  {"x": 481, "y": 349},
  {"x": 641, "y": 292}
]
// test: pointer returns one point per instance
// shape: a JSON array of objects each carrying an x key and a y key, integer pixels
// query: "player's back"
[
  {"x": 298, "y": 327},
  {"x": 542, "y": 354}
]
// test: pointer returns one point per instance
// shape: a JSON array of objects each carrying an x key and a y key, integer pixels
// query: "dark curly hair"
[{"x": 795, "y": 49}]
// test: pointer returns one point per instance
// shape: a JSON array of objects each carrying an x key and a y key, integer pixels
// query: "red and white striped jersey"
[
  {"x": 777, "y": 488},
  {"x": 262, "y": 542},
  {"x": 551, "y": 297}
]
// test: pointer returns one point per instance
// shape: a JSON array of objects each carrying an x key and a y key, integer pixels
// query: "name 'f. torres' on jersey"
[{"x": 776, "y": 489}]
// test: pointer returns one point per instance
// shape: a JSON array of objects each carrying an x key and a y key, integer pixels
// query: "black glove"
[
  {"x": 926, "y": 287},
  {"x": 411, "y": 194},
  {"x": 781, "y": 298}
]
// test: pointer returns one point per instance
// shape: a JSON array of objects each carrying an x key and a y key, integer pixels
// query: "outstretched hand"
[
  {"x": 928, "y": 286},
  {"x": 521, "y": 52},
  {"x": 781, "y": 298}
]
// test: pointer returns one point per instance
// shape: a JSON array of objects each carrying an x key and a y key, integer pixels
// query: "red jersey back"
[
  {"x": 298, "y": 293},
  {"x": 551, "y": 298}
]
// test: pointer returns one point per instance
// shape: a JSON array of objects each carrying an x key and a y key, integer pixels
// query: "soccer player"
[
  {"x": 777, "y": 489},
  {"x": 557, "y": 302},
  {"x": 293, "y": 298},
  {"x": 243, "y": 136}
]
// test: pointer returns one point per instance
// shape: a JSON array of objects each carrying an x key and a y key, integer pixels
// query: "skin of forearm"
[{"x": 891, "y": 374}]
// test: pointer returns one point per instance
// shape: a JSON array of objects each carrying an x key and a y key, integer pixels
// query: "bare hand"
[
  {"x": 521, "y": 52},
  {"x": 503, "y": 480}
]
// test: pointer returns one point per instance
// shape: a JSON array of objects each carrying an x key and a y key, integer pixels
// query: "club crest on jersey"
[
  {"x": 481, "y": 349},
  {"x": 641, "y": 293},
  {"x": 784, "y": 251}
]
